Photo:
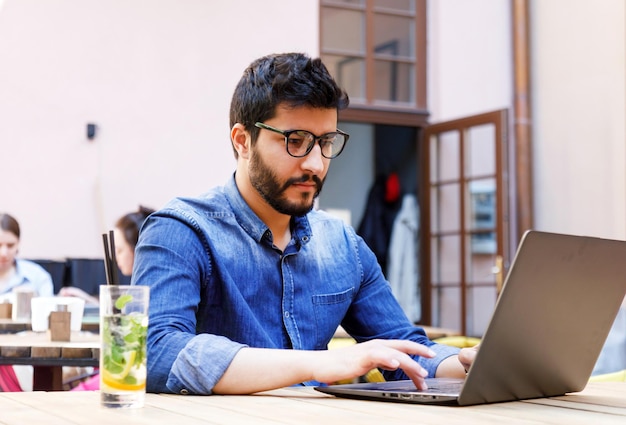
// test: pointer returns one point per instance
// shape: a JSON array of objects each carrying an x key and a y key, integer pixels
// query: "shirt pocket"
[{"x": 329, "y": 310}]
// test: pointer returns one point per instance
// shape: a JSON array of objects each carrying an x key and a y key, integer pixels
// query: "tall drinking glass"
[{"x": 123, "y": 334}]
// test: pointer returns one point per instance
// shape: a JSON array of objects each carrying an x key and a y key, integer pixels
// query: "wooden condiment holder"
[
  {"x": 6, "y": 309},
  {"x": 59, "y": 324}
]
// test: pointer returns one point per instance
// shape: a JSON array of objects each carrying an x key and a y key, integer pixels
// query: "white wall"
[
  {"x": 156, "y": 76},
  {"x": 469, "y": 57},
  {"x": 579, "y": 76}
]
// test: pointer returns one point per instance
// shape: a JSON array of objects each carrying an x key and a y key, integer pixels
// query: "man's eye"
[
  {"x": 328, "y": 141},
  {"x": 296, "y": 140}
]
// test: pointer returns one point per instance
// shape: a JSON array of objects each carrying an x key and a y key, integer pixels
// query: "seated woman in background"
[
  {"x": 126, "y": 234},
  {"x": 17, "y": 273}
]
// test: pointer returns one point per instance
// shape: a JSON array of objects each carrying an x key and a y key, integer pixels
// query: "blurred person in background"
[{"x": 17, "y": 274}]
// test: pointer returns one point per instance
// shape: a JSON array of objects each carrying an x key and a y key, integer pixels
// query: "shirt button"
[
  {"x": 184, "y": 391},
  {"x": 287, "y": 314}
]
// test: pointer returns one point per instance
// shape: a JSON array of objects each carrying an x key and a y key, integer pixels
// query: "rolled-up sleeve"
[
  {"x": 190, "y": 373},
  {"x": 442, "y": 352}
]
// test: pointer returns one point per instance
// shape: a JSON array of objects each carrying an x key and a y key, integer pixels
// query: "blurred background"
[{"x": 108, "y": 104}]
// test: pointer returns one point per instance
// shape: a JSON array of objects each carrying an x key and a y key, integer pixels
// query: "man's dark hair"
[{"x": 292, "y": 79}]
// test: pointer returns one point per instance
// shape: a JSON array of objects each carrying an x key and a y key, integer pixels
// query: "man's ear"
[{"x": 240, "y": 139}]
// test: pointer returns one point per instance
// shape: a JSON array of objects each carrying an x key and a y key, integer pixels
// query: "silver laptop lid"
[
  {"x": 558, "y": 303},
  {"x": 555, "y": 311}
]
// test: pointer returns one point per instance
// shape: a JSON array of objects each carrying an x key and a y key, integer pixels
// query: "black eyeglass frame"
[{"x": 309, "y": 148}]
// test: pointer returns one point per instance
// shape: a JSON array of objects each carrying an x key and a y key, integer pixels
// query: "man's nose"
[{"x": 314, "y": 161}]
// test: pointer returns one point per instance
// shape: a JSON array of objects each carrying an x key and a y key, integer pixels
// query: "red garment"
[
  {"x": 8, "y": 379},
  {"x": 392, "y": 188},
  {"x": 91, "y": 384}
]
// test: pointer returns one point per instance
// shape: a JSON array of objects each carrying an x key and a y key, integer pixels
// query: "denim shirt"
[{"x": 218, "y": 284}]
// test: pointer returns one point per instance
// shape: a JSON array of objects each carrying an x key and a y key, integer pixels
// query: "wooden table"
[
  {"x": 599, "y": 403},
  {"x": 48, "y": 357},
  {"x": 89, "y": 324},
  {"x": 13, "y": 326}
]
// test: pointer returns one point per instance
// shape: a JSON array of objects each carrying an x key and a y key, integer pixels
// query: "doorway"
[{"x": 457, "y": 172}]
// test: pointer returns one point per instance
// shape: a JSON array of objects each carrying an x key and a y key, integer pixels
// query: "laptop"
[{"x": 556, "y": 308}]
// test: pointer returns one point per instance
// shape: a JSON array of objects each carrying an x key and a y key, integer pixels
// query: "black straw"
[
  {"x": 107, "y": 256},
  {"x": 114, "y": 271},
  {"x": 110, "y": 264}
]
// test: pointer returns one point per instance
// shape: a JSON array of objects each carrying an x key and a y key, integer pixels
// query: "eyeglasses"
[{"x": 300, "y": 142}]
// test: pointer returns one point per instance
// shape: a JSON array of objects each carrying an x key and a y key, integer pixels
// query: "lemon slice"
[
  {"x": 122, "y": 386},
  {"x": 129, "y": 358}
]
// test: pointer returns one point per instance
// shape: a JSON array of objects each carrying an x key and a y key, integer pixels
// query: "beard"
[{"x": 264, "y": 180}]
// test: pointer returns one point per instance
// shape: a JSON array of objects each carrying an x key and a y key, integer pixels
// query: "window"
[{"x": 376, "y": 50}]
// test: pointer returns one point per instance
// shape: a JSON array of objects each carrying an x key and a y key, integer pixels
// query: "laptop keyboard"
[
  {"x": 435, "y": 386},
  {"x": 443, "y": 386}
]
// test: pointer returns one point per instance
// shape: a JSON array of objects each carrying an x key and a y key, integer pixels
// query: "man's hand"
[
  {"x": 457, "y": 366},
  {"x": 467, "y": 356},
  {"x": 356, "y": 360}
]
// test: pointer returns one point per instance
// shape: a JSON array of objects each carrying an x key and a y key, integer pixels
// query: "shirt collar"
[{"x": 253, "y": 225}]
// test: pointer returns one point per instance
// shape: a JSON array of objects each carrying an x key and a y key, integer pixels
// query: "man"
[{"x": 249, "y": 284}]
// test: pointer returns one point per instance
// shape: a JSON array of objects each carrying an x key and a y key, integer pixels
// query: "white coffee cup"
[{"x": 42, "y": 306}]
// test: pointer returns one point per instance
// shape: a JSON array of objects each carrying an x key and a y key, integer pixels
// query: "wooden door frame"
[{"x": 500, "y": 120}]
